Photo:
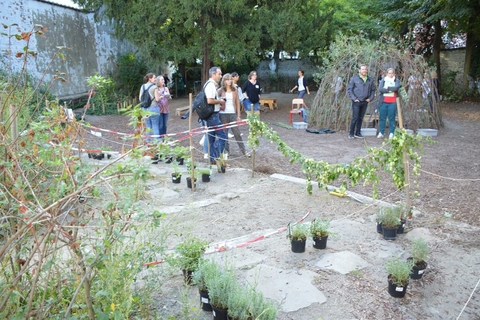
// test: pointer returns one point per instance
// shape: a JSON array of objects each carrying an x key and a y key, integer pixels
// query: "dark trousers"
[{"x": 358, "y": 112}]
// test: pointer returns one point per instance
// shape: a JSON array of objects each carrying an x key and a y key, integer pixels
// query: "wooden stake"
[
  {"x": 192, "y": 163},
  {"x": 406, "y": 166}
]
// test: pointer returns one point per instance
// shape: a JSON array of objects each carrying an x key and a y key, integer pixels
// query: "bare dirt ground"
[{"x": 236, "y": 206}]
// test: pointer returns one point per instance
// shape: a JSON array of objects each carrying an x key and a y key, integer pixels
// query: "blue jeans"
[
  {"x": 304, "y": 114},
  {"x": 153, "y": 122},
  {"x": 247, "y": 105},
  {"x": 387, "y": 110},
  {"x": 301, "y": 94},
  {"x": 358, "y": 112},
  {"x": 162, "y": 123},
  {"x": 216, "y": 138}
]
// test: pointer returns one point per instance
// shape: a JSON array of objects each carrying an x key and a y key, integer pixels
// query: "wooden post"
[
  {"x": 192, "y": 163},
  {"x": 406, "y": 166}
]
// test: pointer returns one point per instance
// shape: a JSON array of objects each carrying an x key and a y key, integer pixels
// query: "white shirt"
[
  {"x": 229, "y": 107},
  {"x": 300, "y": 84},
  {"x": 211, "y": 92}
]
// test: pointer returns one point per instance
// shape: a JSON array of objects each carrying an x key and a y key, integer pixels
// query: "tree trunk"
[
  {"x": 468, "y": 54},
  {"x": 437, "y": 43}
]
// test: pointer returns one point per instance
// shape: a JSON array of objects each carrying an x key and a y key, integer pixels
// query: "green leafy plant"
[
  {"x": 176, "y": 170},
  {"x": 204, "y": 171},
  {"x": 180, "y": 152},
  {"x": 206, "y": 269},
  {"x": 391, "y": 217},
  {"x": 419, "y": 250},
  {"x": 319, "y": 228},
  {"x": 240, "y": 302},
  {"x": 188, "y": 254},
  {"x": 399, "y": 271},
  {"x": 220, "y": 287},
  {"x": 262, "y": 308},
  {"x": 298, "y": 231}
]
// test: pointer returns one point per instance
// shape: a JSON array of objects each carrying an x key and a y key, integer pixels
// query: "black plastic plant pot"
[
  {"x": 205, "y": 177},
  {"x": 418, "y": 270},
  {"x": 401, "y": 227},
  {"x": 219, "y": 314},
  {"x": 298, "y": 246},
  {"x": 187, "y": 276},
  {"x": 389, "y": 233},
  {"x": 180, "y": 161},
  {"x": 189, "y": 182},
  {"x": 320, "y": 243},
  {"x": 379, "y": 227},
  {"x": 205, "y": 301},
  {"x": 396, "y": 291},
  {"x": 176, "y": 179}
]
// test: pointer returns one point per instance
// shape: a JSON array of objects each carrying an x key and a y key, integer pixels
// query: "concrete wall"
[
  {"x": 92, "y": 45},
  {"x": 453, "y": 60}
]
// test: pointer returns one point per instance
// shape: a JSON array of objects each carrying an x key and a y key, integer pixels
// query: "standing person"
[
  {"x": 388, "y": 89},
  {"x": 162, "y": 95},
  {"x": 152, "y": 121},
  {"x": 302, "y": 85},
  {"x": 361, "y": 90},
  {"x": 167, "y": 80},
  {"x": 235, "y": 78},
  {"x": 231, "y": 113},
  {"x": 251, "y": 91},
  {"x": 216, "y": 138}
]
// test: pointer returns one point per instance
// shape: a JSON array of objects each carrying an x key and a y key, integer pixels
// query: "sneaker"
[
  {"x": 390, "y": 136},
  {"x": 351, "y": 137},
  {"x": 230, "y": 135},
  {"x": 205, "y": 156},
  {"x": 380, "y": 135},
  {"x": 359, "y": 136}
]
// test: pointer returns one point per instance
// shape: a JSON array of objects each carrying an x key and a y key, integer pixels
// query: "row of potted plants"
[
  {"x": 299, "y": 232},
  {"x": 391, "y": 221},
  {"x": 400, "y": 272},
  {"x": 219, "y": 290},
  {"x": 221, "y": 293}
]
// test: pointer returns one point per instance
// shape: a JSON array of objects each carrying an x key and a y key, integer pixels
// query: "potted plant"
[
  {"x": 187, "y": 256},
  {"x": 261, "y": 308},
  {"x": 319, "y": 232},
  {"x": 206, "y": 269},
  {"x": 221, "y": 162},
  {"x": 298, "y": 234},
  {"x": 205, "y": 175},
  {"x": 240, "y": 303},
  {"x": 390, "y": 223},
  {"x": 402, "y": 215},
  {"x": 419, "y": 253},
  {"x": 379, "y": 220},
  {"x": 220, "y": 287},
  {"x": 176, "y": 174},
  {"x": 180, "y": 154},
  {"x": 398, "y": 276}
]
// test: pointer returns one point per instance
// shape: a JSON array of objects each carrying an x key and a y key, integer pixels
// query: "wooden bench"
[
  {"x": 180, "y": 110},
  {"x": 271, "y": 103}
]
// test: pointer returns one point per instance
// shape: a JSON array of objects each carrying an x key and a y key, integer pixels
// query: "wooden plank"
[{"x": 181, "y": 110}]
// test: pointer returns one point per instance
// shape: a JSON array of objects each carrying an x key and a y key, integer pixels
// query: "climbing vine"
[{"x": 390, "y": 158}]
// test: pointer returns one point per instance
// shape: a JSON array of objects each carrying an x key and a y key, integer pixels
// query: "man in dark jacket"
[{"x": 361, "y": 90}]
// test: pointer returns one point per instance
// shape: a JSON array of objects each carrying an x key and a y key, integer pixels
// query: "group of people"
[
  {"x": 227, "y": 97},
  {"x": 361, "y": 90},
  {"x": 156, "y": 122}
]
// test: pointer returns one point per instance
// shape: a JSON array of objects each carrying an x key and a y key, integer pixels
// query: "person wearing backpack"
[
  {"x": 218, "y": 137},
  {"x": 148, "y": 103}
]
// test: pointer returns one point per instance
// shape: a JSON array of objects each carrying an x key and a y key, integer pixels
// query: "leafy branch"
[{"x": 389, "y": 157}]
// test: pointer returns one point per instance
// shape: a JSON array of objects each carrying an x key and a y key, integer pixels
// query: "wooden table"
[{"x": 271, "y": 103}]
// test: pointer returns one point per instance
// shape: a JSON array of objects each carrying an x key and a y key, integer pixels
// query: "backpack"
[
  {"x": 146, "y": 99},
  {"x": 204, "y": 110}
]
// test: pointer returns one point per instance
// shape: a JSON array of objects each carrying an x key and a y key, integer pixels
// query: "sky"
[{"x": 68, "y": 3}]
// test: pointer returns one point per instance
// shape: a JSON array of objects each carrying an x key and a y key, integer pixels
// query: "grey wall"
[{"x": 92, "y": 47}]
